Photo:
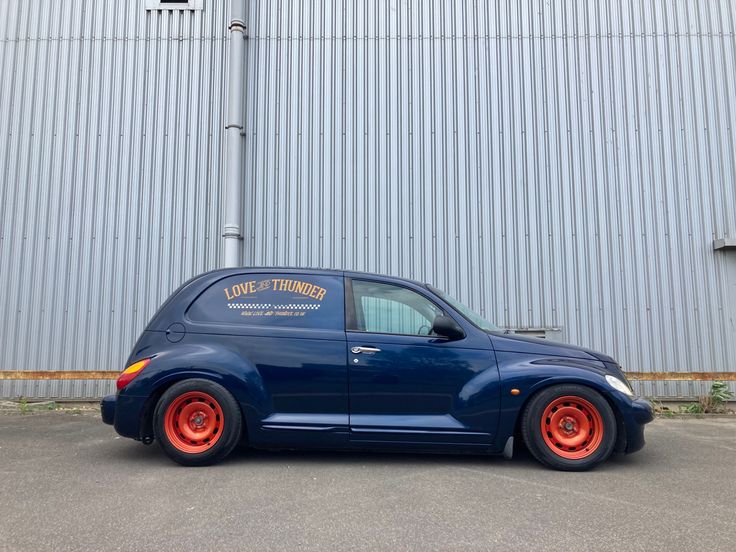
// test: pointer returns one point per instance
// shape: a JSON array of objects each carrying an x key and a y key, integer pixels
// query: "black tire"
[
  {"x": 546, "y": 446},
  {"x": 208, "y": 404}
]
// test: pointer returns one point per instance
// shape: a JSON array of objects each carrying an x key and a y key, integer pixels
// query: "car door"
[{"x": 407, "y": 385}]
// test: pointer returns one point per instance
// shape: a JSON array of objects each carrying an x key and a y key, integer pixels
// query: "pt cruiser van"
[{"x": 293, "y": 358}]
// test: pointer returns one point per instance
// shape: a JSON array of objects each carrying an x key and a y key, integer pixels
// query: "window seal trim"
[
  {"x": 435, "y": 337},
  {"x": 350, "y": 315}
]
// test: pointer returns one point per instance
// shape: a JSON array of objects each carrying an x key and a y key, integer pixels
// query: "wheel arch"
[
  {"x": 244, "y": 389},
  {"x": 620, "y": 445}
]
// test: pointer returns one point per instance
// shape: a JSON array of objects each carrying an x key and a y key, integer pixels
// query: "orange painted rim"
[
  {"x": 572, "y": 427},
  {"x": 194, "y": 422}
]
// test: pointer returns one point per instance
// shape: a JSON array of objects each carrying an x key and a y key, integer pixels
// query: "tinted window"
[
  {"x": 286, "y": 300},
  {"x": 385, "y": 308}
]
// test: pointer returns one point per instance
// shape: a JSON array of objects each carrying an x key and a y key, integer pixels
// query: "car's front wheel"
[
  {"x": 569, "y": 427},
  {"x": 197, "y": 422}
]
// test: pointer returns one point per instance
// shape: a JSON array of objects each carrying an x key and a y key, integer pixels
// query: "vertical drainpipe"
[{"x": 234, "y": 136}]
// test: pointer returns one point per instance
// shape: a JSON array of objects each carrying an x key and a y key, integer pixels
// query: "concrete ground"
[{"x": 69, "y": 483}]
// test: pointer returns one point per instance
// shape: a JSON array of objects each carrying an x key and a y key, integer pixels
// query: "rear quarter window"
[{"x": 281, "y": 300}]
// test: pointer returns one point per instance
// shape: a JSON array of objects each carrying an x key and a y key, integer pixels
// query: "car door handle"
[{"x": 358, "y": 350}]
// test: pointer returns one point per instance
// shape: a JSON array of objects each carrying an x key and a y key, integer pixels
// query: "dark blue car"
[{"x": 297, "y": 358}]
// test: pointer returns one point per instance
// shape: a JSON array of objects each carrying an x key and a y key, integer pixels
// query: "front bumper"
[
  {"x": 635, "y": 417},
  {"x": 107, "y": 409},
  {"x": 642, "y": 411}
]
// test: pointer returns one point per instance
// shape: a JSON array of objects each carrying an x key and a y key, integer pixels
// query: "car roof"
[{"x": 306, "y": 270}]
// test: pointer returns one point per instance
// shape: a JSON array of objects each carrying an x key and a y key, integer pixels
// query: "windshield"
[{"x": 466, "y": 311}]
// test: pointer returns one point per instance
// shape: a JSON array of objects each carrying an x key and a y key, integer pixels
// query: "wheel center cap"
[
  {"x": 568, "y": 425},
  {"x": 198, "y": 420}
]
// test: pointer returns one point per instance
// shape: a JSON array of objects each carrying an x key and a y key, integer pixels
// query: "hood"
[{"x": 536, "y": 346}]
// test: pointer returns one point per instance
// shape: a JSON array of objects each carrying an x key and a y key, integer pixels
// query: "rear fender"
[{"x": 219, "y": 365}]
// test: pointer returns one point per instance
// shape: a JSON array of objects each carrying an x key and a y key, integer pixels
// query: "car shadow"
[
  {"x": 152, "y": 455},
  {"x": 362, "y": 457}
]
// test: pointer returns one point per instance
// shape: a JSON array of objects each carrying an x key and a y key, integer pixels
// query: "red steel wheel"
[
  {"x": 194, "y": 422},
  {"x": 572, "y": 427}
]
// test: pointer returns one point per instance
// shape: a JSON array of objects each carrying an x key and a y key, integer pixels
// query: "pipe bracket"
[
  {"x": 232, "y": 231},
  {"x": 238, "y": 25}
]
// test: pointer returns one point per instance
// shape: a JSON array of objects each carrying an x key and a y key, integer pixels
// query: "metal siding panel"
[
  {"x": 111, "y": 163},
  {"x": 554, "y": 165}
]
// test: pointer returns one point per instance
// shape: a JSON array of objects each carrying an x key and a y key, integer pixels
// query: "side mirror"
[{"x": 447, "y": 327}]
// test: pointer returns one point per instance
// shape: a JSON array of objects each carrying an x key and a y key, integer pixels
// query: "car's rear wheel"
[
  {"x": 197, "y": 422},
  {"x": 569, "y": 427}
]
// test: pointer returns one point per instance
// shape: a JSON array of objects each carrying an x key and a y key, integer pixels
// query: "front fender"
[{"x": 530, "y": 374}]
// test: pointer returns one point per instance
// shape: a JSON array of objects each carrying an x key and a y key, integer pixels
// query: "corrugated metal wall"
[
  {"x": 111, "y": 160},
  {"x": 554, "y": 164}
]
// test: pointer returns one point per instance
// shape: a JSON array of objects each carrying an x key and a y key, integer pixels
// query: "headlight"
[{"x": 618, "y": 385}]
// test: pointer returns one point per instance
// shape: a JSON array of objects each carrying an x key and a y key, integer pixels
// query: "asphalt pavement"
[{"x": 67, "y": 482}]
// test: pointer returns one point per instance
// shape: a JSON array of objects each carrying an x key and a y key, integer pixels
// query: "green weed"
[{"x": 715, "y": 402}]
